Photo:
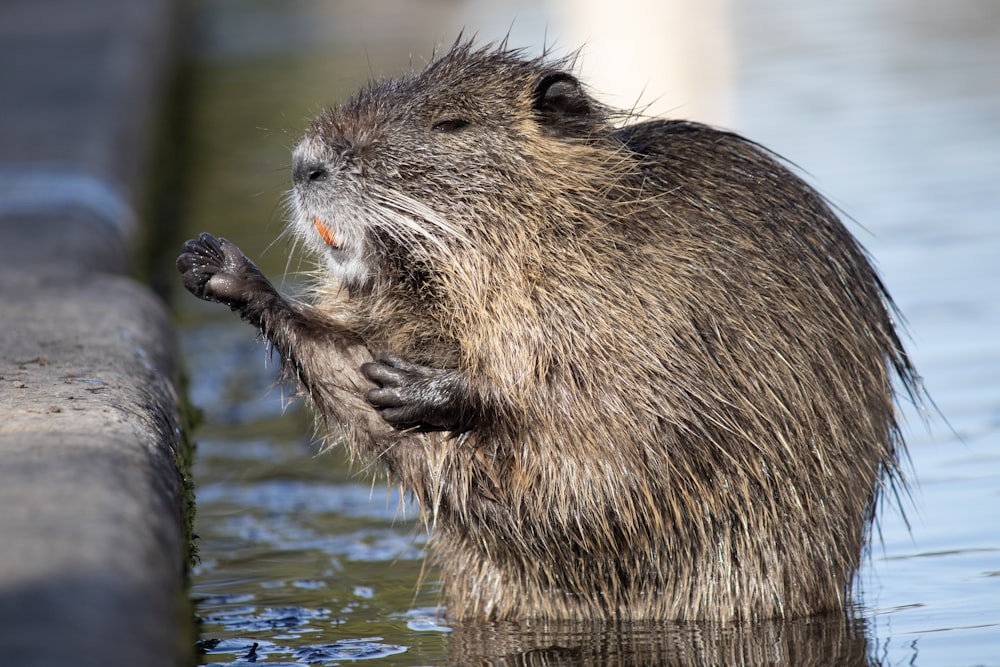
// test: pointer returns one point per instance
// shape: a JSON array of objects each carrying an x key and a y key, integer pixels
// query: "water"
[{"x": 893, "y": 107}]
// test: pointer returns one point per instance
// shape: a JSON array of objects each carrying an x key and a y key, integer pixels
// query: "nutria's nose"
[{"x": 306, "y": 170}]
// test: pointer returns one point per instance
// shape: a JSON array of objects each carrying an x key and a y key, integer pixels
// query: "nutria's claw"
[
  {"x": 198, "y": 263},
  {"x": 216, "y": 270},
  {"x": 410, "y": 396}
]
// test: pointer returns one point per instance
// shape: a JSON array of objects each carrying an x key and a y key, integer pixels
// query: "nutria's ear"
[{"x": 562, "y": 106}]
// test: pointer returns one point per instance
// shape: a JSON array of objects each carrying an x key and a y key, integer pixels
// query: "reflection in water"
[{"x": 818, "y": 641}]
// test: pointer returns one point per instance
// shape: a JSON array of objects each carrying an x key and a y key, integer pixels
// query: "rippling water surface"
[{"x": 893, "y": 109}]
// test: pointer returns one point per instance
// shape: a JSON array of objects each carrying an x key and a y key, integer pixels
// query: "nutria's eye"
[{"x": 450, "y": 125}]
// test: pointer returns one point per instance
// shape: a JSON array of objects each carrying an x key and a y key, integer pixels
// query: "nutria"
[{"x": 631, "y": 369}]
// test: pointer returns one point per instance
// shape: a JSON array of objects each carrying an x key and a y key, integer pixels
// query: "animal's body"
[{"x": 634, "y": 371}]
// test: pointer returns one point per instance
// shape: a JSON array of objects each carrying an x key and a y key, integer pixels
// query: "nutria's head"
[{"x": 398, "y": 173}]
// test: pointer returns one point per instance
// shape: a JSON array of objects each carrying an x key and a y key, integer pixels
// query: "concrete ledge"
[
  {"x": 81, "y": 81},
  {"x": 92, "y": 541},
  {"x": 92, "y": 556},
  {"x": 36, "y": 190},
  {"x": 90, "y": 588},
  {"x": 65, "y": 247}
]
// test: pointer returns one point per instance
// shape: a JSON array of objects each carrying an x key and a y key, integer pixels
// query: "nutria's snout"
[{"x": 308, "y": 170}]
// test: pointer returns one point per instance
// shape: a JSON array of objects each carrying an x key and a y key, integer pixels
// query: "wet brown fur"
[{"x": 682, "y": 361}]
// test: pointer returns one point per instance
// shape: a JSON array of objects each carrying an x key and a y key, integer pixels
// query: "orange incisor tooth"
[{"x": 328, "y": 236}]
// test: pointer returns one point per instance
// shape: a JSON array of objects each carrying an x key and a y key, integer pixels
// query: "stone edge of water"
[{"x": 93, "y": 553}]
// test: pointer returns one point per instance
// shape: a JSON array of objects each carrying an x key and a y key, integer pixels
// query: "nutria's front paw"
[
  {"x": 215, "y": 270},
  {"x": 410, "y": 396}
]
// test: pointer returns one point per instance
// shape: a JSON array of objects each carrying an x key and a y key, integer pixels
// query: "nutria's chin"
[{"x": 634, "y": 371}]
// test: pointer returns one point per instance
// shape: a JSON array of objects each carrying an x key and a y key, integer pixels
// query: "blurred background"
[{"x": 890, "y": 107}]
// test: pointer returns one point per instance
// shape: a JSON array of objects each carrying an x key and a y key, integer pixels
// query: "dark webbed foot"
[
  {"x": 216, "y": 270},
  {"x": 410, "y": 396}
]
